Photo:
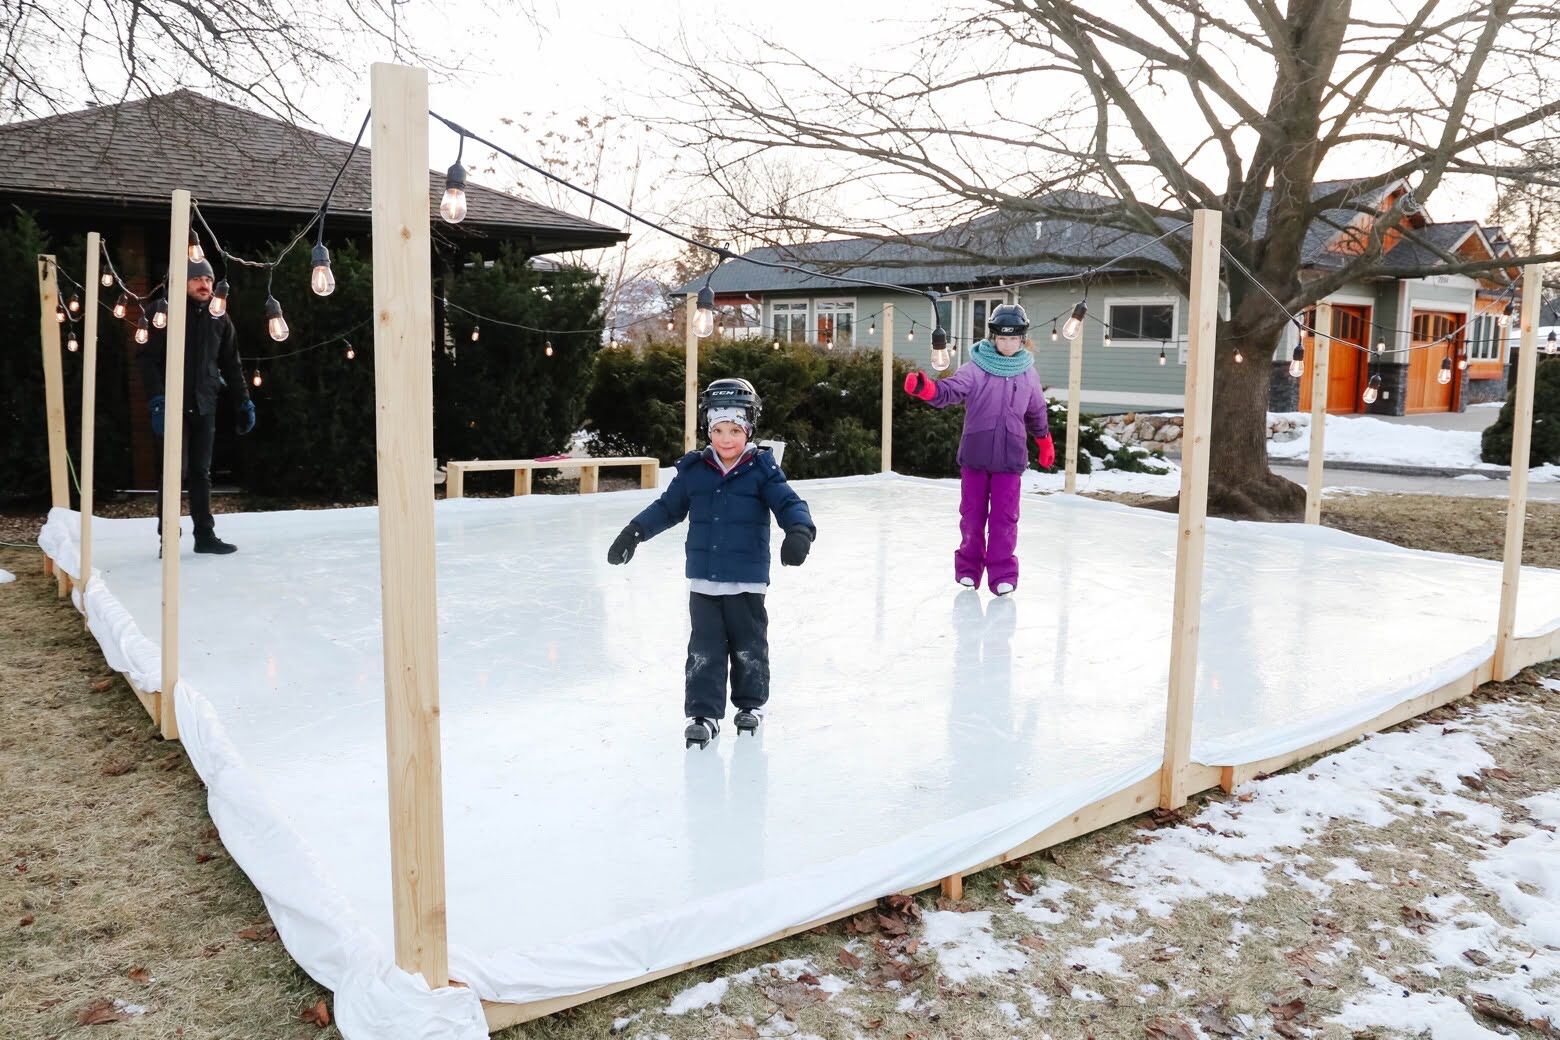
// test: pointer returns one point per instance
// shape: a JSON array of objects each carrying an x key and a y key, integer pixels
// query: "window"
[
  {"x": 980, "y": 313},
  {"x": 1147, "y": 321},
  {"x": 1483, "y": 343},
  {"x": 790, "y": 320},
  {"x": 836, "y": 323}
]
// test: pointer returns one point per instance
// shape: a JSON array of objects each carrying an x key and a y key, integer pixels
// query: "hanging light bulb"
[
  {"x": 776, "y": 345},
  {"x": 476, "y": 333},
  {"x": 351, "y": 354},
  {"x": 669, "y": 324},
  {"x": 548, "y": 349},
  {"x": 142, "y": 333},
  {"x": 321, "y": 280},
  {"x": 1240, "y": 358},
  {"x": 1297, "y": 362},
  {"x": 1162, "y": 358},
  {"x": 122, "y": 305},
  {"x": 1053, "y": 332},
  {"x": 106, "y": 280},
  {"x": 275, "y": 324},
  {"x": 910, "y": 337},
  {"x": 1444, "y": 376},
  {"x": 1072, "y": 328},
  {"x": 704, "y": 314},
  {"x": 160, "y": 313},
  {"x": 256, "y": 381},
  {"x": 1381, "y": 345},
  {"x": 1505, "y": 316},
  {"x": 196, "y": 253},
  {"x": 71, "y": 344},
  {"x": 872, "y": 328},
  {"x": 1551, "y": 345},
  {"x": 453, "y": 206},
  {"x": 1372, "y": 390},
  {"x": 219, "y": 299},
  {"x": 1107, "y": 337},
  {"x": 939, "y": 349},
  {"x": 59, "y": 315},
  {"x": 1462, "y": 362},
  {"x": 74, "y": 306}
]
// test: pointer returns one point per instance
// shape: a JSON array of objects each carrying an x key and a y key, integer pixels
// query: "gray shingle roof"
[
  {"x": 134, "y": 154},
  {"x": 1446, "y": 237}
]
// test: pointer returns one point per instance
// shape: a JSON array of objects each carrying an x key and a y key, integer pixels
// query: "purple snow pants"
[{"x": 987, "y": 496}]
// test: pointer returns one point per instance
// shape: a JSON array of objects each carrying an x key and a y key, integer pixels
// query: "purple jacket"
[{"x": 998, "y": 412}]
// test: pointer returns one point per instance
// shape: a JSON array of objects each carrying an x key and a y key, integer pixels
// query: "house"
[
  {"x": 257, "y": 180},
  {"x": 1134, "y": 345}
]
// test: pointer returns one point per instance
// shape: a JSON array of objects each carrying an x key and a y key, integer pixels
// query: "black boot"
[{"x": 210, "y": 543}]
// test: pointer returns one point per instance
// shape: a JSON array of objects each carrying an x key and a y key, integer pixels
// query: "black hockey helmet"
[
  {"x": 730, "y": 393},
  {"x": 1008, "y": 320}
]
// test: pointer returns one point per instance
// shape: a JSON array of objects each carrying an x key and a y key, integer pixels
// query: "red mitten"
[
  {"x": 1047, "y": 451},
  {"x": 917, "y": 385}
]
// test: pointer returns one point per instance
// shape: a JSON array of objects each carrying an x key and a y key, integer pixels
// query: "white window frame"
[
  {"x": 791, "y": 308},
  {"x": 1139, "y": 301},
  {"x": 992, "y": 301},
  {"x": 835, "y": 305},
  {"x": 1488, "y": 346}
]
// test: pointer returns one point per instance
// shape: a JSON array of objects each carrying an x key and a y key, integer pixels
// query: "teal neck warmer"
[{"x": 987, "y": 356}]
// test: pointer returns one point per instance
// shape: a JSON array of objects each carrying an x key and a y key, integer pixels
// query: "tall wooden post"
[
  {"x": 53, "y": 389},
  {"x": 172, "y": 460},
  {"x": 1321, "y": 351},
  {"x": 888, "y": 387},
  {"x": 690, "y": 375},
  {"x": 1074, "y": 397},
  {"x": 403, "y": 412},
  {"x": 89, "y": 410},
  {"x": 1187, "y": 617},
  {"x": 1521, "y": 445}
]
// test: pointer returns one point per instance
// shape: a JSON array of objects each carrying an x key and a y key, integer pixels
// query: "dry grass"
[{"x": 118, "y": 876}]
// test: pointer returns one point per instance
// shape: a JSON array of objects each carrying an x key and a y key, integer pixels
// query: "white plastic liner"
[{"x": 914, "y": 729}]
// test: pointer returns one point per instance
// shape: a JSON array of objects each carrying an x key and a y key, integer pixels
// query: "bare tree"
[
  {"x": 1528, "y": 210},
  {"x": 1128, "y": 116}
]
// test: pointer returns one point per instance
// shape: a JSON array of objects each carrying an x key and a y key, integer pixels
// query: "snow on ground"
[
  {"x": 1363, "y": 439},
  {"x": 965, "y": 946},
  {"x": 1109, "y": 481}
]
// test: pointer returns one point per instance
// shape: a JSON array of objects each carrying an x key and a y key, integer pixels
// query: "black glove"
[
  {"x": 623, "y": 545},
  {"x": 797, "y": 544}
]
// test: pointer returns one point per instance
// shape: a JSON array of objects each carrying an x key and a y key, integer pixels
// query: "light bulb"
[
  {"x": 1505, "y": 316},
  {"x": 257, "y": 380},
  {"x": 1381, "y": 345},
  {"x": 548, "y": 350},
  {"x": 1372, "y": 390},
  {"x": 776, "y": 345},
  {"x": 1297, "y": 363},
  {"x": 1444, "y": 376},
  {"x": 1107, "y": 337},
  {"x": 275, "y": 324},
  {"x": 1462, "y": 363},
  {"x": 1053, "y": 332},
  {"x": 453, "y": 206},
  {"x": 940, "y": 359},
  {"x": 142, "y": 333},
  {"x": 196, "y": 253},
  {"x": 121, "y": 306},
  {"x": 669, "y": 324},
  {"x": 872, "y": 329},
  {"x": 106, "y": 280},
  {"x": 476, "y": 333},
  {"x": 321, "y": 280},
  {"x": 1161, "y": 354},
  {"x": 704, "y": 312},
  {"x": 219, "y": 299},
  {"x": 1550, "y": 345},
  {"x": 75, "y": 304},
  {"x": 160, "y": 314},
  {"x": 1073, "y": 326},
  {"x": 59, "y": 315},
  {"x": 350, "y": 352},
  {"x": 910, "y": 336},
  {"x": 71, "y": 344},
  {"x": 1240, "y": 358}
]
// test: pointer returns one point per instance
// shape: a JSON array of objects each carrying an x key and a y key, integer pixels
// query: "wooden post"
[
  {"x": 1194, "y": 508},
  {"x": 88, "y": 410},
  {"x": 53, "y": 390},
  {"x": 1074, "y": 397},
  {"x": 649, "y": 475},
  {"x": 523, "y": 481},
  {"x": 1521, "y": 445},
  {"x": 590, "y": 479},
  {"x": 690, "y": 375},
  {"x": 888, "y": 388},
  {"x": 1321, "y": 351},
  {"x": 172, "y": 457},
  {"x": 403, "y": 406}
]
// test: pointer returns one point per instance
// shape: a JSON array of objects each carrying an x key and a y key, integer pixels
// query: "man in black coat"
[{"x": 211, "y": 365}]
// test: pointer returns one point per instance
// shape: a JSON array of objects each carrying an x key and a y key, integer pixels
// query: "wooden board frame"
[
  {"x": 888, "y": 389},
  {"x": 172, "y": 457},
  {"x": 1321, "y": 354},
  {"x": 589, "y": 471},
  {"x": 1521, "y": 443},
  {"x": 1074, "y": 411},
  {"x": 89, "y": 347}
]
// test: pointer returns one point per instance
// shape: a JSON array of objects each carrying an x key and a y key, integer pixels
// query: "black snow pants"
[{"x": 726, "y": 627}]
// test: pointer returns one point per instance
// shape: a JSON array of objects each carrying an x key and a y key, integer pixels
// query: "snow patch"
[
  {"x": 1102, "y": 957},
  {"x": 965, "y": 946}
]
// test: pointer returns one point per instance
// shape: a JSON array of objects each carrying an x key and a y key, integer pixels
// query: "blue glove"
[
  {"x": 155, "y": 407},
  {"x": 246, "y": 417}
]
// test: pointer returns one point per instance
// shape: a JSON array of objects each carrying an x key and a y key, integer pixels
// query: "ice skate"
[
  {"x": 747, "y": 720},
  {"x": 700, "y": 731}
]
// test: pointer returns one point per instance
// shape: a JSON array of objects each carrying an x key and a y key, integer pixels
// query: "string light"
[
  {"x": 704, "y": 314},
  {"x": 1073, "y": 326},
  {"x": 910, "y": 338},
  {"x": 548, "y": 349},
  {"x": 1444, "y": 376},
  {"x": 1107, "y": 337},
  {"x": 1297, "y": 362},
  {"x": 1053, "y": 331},
  {"x": 1372, "y": 390},
  {"x": 160, "y": 313},
  {"x": 1462, "y": 362},
  {"x": 1240, "y": 358},
  {"x": 74, "y": 306},
  {"x": 106, "y": 280},
  {"x": 256, "y": 381},
  {"x": 122, "y": 305},
  {"x": 71, "y": 344},
  {"x": 59, "y": 315},
  {"x": 351, "y": 354},
  {"x": 1505, "y": 316},
  {"x": 195, "y": 252},
  {"x": 776, "y": 345},
  {"x": 453, "y": 206},
  {"x": 321, "y": 280},
  {"x": 142, "y": 333},
  {"x": 872, "y": 328},
  {"x": 1551, "y": 346},
  {"x": 275, "y": 323},
  {"x": 1162, "y": 358},
  {"x": 476, "y": 333},
  {"x": 219, "y": 299}
]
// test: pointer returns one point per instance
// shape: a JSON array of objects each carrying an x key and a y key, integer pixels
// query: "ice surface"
[{"x": 914, "y": 729}]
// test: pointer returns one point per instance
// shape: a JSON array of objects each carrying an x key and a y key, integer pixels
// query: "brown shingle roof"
[{"x": 133, "y": 154}]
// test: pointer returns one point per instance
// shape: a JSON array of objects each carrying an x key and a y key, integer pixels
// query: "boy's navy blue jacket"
[{"x": 728, "y": 514}]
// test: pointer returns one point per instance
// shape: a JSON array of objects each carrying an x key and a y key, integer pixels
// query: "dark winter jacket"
[
  {"x": 210, "y": 359},
  {"x": 998, "y": 412},
  {"x": 728, "y": 514}
]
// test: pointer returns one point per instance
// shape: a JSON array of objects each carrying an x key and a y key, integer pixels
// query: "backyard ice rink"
[{"x": 914, "y": 729}]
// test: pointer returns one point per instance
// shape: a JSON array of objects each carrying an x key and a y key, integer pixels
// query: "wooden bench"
[{"x": 589, "y": 472}]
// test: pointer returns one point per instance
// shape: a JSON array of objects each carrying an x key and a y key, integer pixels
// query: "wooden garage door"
[
  {"x": 1346, "y": 366},
  {"x": 1430, "y": 348}
]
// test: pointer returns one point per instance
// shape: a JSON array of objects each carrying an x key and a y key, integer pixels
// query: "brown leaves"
[
  {"x": 259, "y": 933},
  {"x": 1161, "y": 1028},
  {"x": 1416, "y": 919},
  {"x": 1215, "y": 1020},
  {"x": 26, "y": 920},
  {"x": 140, "y": 975},
  {"x": 1033, "y": 942},
  {"x": 792, "y": 996},
  {"x": 100, "y": 1012},
  {"x": 1307, "y": 968},
  {"x": 1156, "y": 818},
  {"x": 102, "y": 685},
  {"x": 1478, "y": 957},
  {"x": 118, "y": 767},
  {"x": 1287, "y": 1018},
  {"x": 317, "y": 1015},
  {"x": 1024, "y": 883},
  {"x": 850, "y": 960},
  {"x": 1505, "y": 1014}
]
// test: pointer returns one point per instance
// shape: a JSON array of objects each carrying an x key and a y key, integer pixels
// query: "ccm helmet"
[
  {"x": 1008, "y": 320},
  {"x": 730, "y": 393}
]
